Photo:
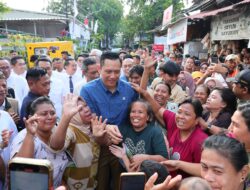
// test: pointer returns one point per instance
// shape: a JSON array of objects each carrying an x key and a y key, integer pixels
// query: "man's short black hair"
[
  {"x": 66, "y": 63},
  {"x": 85, "y": 55},
  {"x": 138, "y": 69},
  {"x": 149, "y": 167},
  {"x": 109, "y": 55},
  {"x": 65, "y": 52},
  {"x": 35, "y": 73},
  {"x": 43, "y": 59},
  {"x": 170, "y": 68},
  {"x": 87, "y": 62},
  {"x": 13, "y": 51},
  {"x": 127, "y": 56},
  {"x": 137, "y": 57},
  {"x": 14, "y": 59},
  {"x": 56, "y": 59},
  {"x": 33, "y": 58}
]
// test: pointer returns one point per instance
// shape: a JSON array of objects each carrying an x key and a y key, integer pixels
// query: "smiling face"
[
  {"x": 171, "y": 80},
  {"x": 203, "y": 68},
  {"x": 5, "y": 68},
  {"x": 201, "y": 94},
  {"x": 20, "y": 67},
  {"x": 219, "y": 172},
  {"x": 139, "y": 116},
  {"x": 185, "y": 118},
  {"x": 110, "y": 73},
  {"x": 189, "y": 65},
  {"x": 211, "y": 84},
  {"x": 161, "y": 94},
  {"x": 127, "y": 64},
  {"x": 47, "y": 117},
  {"x": 85, "y": 112},
  {"x": 40, "y": 87},
  {"x": 231, "y": 65},
  {"x": 135, "y": 78}
]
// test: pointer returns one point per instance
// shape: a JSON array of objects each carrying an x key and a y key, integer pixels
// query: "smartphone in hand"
[
  {"x": 132, "y": 180},
  {"x": 214, "y": 59},
  {"x": 29, "y": 174}
]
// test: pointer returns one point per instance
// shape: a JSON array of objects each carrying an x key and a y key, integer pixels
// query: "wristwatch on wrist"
[{"x": 209, "y": 126}]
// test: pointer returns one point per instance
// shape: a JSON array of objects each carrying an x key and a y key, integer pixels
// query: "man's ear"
[
  {"x": 30, "y": 82},
  {"x": 245, "y": 90}
]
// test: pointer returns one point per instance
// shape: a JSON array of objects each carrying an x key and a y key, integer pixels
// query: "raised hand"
[
  {"x": 203, "y": 124},
  {"x": 168, "y": 184},
  {"x": 171, "y": 165},
  {"x": 98, "y": 127},
  {"x": 70, "y": 107},
  {"x": 137, "y": 160},
  {"x": 6, "y": 134},
  {"x": 15, "y": 117},
  {"x": 114, "y": 133},
  {"x": 137, "y": 88},
  {"x": 31, "y": 124},
  {"x": 149, "y": 62},
  {"x": 119, "y": 152}
]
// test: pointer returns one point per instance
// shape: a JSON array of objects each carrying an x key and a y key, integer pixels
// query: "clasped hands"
[{"x": 101, "y": 129}]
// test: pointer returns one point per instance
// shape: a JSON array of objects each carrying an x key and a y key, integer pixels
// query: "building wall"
[{"x": 45, "y": 29}]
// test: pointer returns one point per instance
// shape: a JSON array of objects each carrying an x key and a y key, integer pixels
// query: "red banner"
[{"x": 157, "y": 47}]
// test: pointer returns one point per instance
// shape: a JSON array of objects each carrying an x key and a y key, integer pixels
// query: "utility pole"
[{"x": 67, "y": 15}]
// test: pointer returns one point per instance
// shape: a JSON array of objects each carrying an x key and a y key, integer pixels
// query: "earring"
[{"x": 243, "y": 179}]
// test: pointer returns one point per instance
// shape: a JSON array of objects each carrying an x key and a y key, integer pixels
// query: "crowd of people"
[{"x": 185, "y": 122}]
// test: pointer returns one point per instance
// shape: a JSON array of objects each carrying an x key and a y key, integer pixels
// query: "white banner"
[
  {"x": 177, "y": 33},
  {"x": 233, "y": 25},
  {"x": 167, "y": 15}
]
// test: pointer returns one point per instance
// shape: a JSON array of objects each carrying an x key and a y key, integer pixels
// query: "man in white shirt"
[
  {"x": 7, "y": 123},
  {"x": 90, "y": 72},
  {"x": 18, "y": 83},
  {"x": 57, "y": 64},
  {"x": 70, "y": 78},
  {"x": 79, "y": 61},
  {"x": 18, "y": 66},
  {"x": 57, "y": 91}
]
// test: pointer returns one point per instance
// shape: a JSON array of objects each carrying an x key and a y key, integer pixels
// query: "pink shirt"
[{"x": 188, "y": 150}]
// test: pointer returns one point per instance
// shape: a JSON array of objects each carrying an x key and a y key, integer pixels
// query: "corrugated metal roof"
[
  {"x": 217, "y": 11},
  {"x": 30, "y": 15}
]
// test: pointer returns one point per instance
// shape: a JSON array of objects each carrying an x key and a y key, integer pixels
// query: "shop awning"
[{"x": 217, "y": 11}]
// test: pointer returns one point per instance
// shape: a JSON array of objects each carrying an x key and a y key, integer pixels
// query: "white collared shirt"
[
  {"x": 7, "y": 123},
  {"x": 20, "y": 86},
  {"x": 75, "y": 79},
  {"x": 79, "y": 85},
  {"x": 57, "y": 93},
  {"x": 23, "y": 75},
  {"x": 2, "y": 106}
]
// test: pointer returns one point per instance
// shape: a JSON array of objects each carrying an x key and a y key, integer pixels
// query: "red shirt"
[{"x": 188, "y": 150}]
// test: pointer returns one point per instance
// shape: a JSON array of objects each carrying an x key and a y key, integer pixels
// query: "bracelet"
[{"x": 209, "y": 126}]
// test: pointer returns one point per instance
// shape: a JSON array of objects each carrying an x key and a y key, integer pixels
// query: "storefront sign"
[
  {"x": 177, "y": 33},
  {"x": 231, "y": 25},
  {"x": 158, "y": 47},
  {"x": 167, "y": 15}
]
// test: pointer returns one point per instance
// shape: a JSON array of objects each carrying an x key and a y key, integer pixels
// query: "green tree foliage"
[
  {"x": 3, "y": 8},
  {"x": 108, "y": 13},
  {"x": 146, "y": 15}
]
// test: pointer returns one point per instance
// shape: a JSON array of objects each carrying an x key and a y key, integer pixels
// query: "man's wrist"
[{"x": 209, "y": 126}]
